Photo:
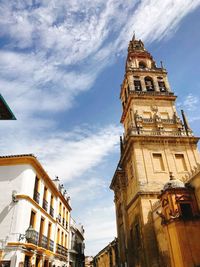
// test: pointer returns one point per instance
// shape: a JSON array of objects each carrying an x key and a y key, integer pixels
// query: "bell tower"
[{"x": 156, "y": 141}]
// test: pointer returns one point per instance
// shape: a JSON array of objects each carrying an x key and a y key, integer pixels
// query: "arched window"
[
  {"x": 142, "y": 65},
  {"x": 149, "y": 83},
  {"x": 137, "y": 85},
  {"x": 162, "y": 86}
]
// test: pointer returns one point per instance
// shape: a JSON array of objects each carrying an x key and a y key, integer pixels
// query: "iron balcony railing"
[
  {"x": 36, "y": 196},
  {"x": 51, "y": 245},
  {"x": 61, "y": 250},
  {"x": 34, "y": 238},
  {"x": 151, "y": 120},
  {"x": 152, "y": 93},
  {"x": 138, "y": 131},
  {"x": 45, "y": 204},
  {"x": 51, "y": 211},
  {"x": 43, "y": 241}
]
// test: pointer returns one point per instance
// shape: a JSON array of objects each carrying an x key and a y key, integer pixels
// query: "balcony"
[
  {"x": 151, "y": 120},
  {"x": 36, "y": 197},
  {"x": 43, "y": 242},
  {"x": 45, "y": 204},
  {"x": 51, "y": 211},
  {"x": 133, "y": 131},
  {"x": 61, "y": 250},
  {"x": 34, "y": 239},
  {"x": 152, "y": 93}
]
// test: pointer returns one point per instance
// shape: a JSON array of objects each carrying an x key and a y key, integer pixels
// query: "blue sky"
[{"x": 61, "y": 66}]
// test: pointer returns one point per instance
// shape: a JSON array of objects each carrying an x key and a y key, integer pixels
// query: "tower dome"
[{"x": 173, "y": 183}]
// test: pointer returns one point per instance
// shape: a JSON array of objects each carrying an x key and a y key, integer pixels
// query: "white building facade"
[{"x": 29, "y": 199}]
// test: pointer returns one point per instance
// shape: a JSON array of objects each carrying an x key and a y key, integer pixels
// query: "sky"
[{"x": 61, "y": 66}]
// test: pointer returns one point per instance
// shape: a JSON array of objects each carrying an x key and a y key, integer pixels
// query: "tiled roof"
[{"x": 18, "y": 156}]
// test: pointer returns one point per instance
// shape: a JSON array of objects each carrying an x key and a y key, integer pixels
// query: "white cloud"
[
  {"x": 154, "y": 20},
  {"x": 66, "y": 155},
  {"x": 191, "y": 102},
  {"x": 100, "y": 227},
  {"x": 52, "y": 37}
]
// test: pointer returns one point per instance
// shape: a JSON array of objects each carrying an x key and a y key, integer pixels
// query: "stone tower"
[{"x": 156, "y": 141}]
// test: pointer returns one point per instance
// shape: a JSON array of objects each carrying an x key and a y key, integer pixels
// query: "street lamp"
[{"x": 29, "y": 234}]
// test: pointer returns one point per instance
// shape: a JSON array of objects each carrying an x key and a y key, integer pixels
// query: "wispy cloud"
[
  {"x": 52, "y": 51},
  {"x": 67, "y": 155},
  {"x": 154, "y": 20},
  {"x": 100, "y": 226},
  {"x": 191, "y": 102}
]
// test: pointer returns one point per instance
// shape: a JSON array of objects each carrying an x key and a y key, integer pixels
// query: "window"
[
  {"x": 41, "y": 231},
  {"x": 162, "y": 86},
  {"x": 36, "y": 183},
  {"x": 149, "y": 84},
  {"x": 142, "y": 65},
  {"x": 36, "y": 195},
  {"x": 49, "y": 234},
  {"x": 180, "y": 163},
  {"x": 32, "y": 219},
  {"x": 158, "y": 162},
  {"x": 137, "y": 85},
  {"x": 62, "y": 238},
  {"x": 186, "y": 210},
  {"x": 63, "y": 220},
  {"x": 66, "y": 241},
  {"x": 51, "y": 206},
  {"x": 45, "y": 203},
  {"x": 45, "y": 193},
  {"x": 60, "y": 209}
]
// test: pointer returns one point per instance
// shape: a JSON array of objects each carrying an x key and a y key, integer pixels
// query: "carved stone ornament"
[
  {"x": 177, "y": 119},
  {"x": 165, "y": 202},
  {"x": 138, "y": 117},
  {"x": 174, "y": 214},
  {"x": 154, "y": 108}
]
